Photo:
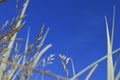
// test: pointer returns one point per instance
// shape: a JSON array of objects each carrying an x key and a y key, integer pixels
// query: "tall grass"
[{"x": 20, "y": 66}]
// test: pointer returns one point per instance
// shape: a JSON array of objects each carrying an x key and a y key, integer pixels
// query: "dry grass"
[{"x": 21, "y": 65}]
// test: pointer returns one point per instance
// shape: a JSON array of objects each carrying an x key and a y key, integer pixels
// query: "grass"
[{"x": 21, "y": 66}]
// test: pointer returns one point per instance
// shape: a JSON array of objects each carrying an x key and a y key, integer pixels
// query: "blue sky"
[{"x": 77, "y": 29}]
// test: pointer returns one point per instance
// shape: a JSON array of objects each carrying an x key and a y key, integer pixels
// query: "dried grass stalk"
[{"x": 33, "y": 69}]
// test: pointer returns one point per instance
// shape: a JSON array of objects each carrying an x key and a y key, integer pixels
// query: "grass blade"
[
  {"x": 118, "y": 76},
  {"x": 73, "y": 69},
  {"x": 113, "y": 25},
  {"x": 3, "y": 66},
  {"x": 94, "y": 63},
  {"x": 91, "y": 72},
  {"x": 116, "y": 62},
  {"x": 40, "y": 54},
  {"x": 33, "y": 69},
  {"x": 110, "y": 70},
  {"x": 13, "y": 71},
  {"x": 26, "y": 47}
]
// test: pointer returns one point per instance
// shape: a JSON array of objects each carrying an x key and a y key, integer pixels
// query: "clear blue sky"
[{"x": 77, "y": 29}]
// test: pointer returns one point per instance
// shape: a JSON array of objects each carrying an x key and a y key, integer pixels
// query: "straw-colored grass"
[{"x": 21, "y": 65}]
